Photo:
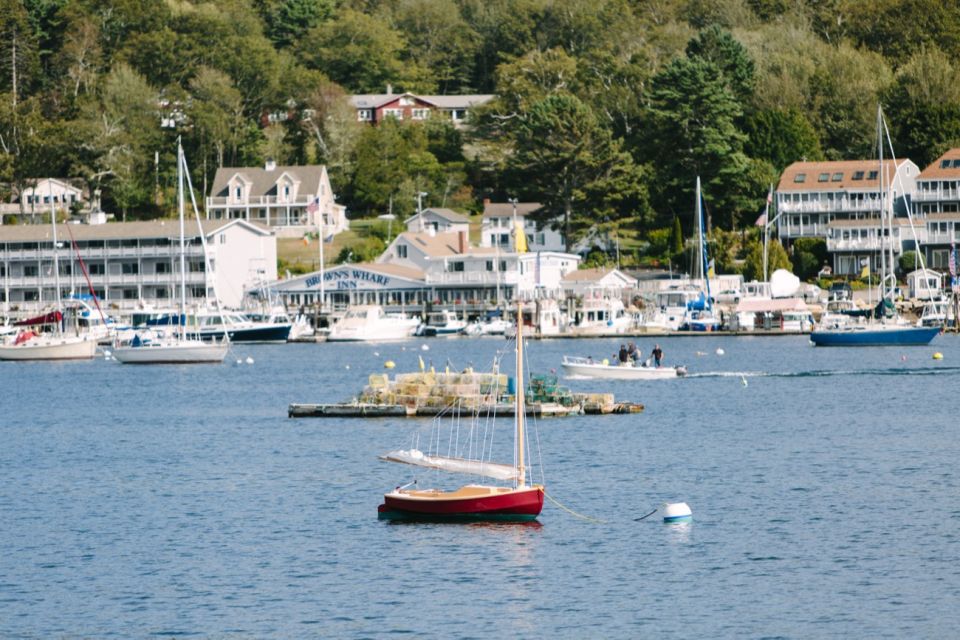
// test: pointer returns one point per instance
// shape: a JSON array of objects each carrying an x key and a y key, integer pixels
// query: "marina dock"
[{"x": 539, "y": 410}]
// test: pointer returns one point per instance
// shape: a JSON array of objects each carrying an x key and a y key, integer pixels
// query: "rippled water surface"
[{"x": 177, "y": 501}]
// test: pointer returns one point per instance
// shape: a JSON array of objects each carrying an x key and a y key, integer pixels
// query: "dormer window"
[
  {"x": 858, "y": 175},
  {"x": 800, "y": 177},
  {"x": 823, "y": 177},
  {"x": 956, "y": 163},
  {"x": 238, "y": 192},
  {"x": 837, "y": 177},
  {"x": 872, "y": 175}
]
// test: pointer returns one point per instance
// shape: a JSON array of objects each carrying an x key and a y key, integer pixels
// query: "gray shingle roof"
[
  {"x": 265, "y": 182},
  {"x": 166, "y": 228}
]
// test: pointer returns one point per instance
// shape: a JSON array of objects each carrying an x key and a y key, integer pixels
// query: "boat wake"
[{"x": 822, "y": 373}]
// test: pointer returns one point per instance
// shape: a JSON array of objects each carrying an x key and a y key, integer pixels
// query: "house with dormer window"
[
  {"x": 438, "y": 220},
  {"x": 47, "y": 193},
  {"x": 812, "y": 195},
  {"x": 292, "y": 200}
]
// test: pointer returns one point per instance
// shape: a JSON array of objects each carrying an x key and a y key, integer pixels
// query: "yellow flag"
[
  {"x": 519, "y": 237},
  {"x": 866, "y": 271},
  {"x": 422, "y": 365}
]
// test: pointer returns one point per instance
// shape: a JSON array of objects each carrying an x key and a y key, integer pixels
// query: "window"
[
  {"x": 30, "y": 270},
  {"x": 364, "y": 115},
  {"x": 823, "y": 177},
  {"x": 503, "y": 265},
  {"x": 238, "y": 193},
  {"x": 872, "y": 175},
  {"x": 162, "y": 292},
  {"x": 401, "y": 251},
  {"x": 31, "y": 296},
  {"x": 197, "y": 267},
  {"x": 858, "y": 175},
  {"x": 504, "y": 239},
  {"x": 421, "y": 114},
  {"x": 940, "y": 259},
  {"x": 800, "y": 177},
  {"x": 489, "y": 265},
  {"x": 393, "y": 113},
  {"x": 956, "y": 163},
  {"x": 129, "y": 294},
  {"x": 455, "y": 266},
  {"x": 837, "y": 177},
  {"x": 198, "y": 292},
  {"x": 540, "y": 238},
  {"x": 944, "y": 164},
  {"x": 163, "y": 267},
  {"x": 223, "y": 238},
  {"x": 131, "y": 268},
  {"x": 96, "y": 268}
]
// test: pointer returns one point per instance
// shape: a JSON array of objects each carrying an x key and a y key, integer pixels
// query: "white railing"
[
  {"x": 931, "y": 195},
  {"x": 829, "y": 206},
  {"x": 259, "y": 201}
]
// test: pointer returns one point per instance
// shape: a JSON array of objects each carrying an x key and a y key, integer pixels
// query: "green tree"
[
  {"x": 570, "y": 163},
  {"x": 289, "y": 20},
  {"x": 809, "y": 256},
  {"x": 777, "y": 258},
  {"x": 715, "y": 44},
  {"x": 363, "y": 53},
  {"x": 781, "y": 138},
  {"x": 216, "y": 112},
  {"x": 924, "y": 106},
  {"x": 439, "y": 40},
  {"x": 692, "y": 132}
]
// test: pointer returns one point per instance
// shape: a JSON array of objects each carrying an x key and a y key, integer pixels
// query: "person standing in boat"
[
  {"x": 622, "y": 356},
  {"x": 657, "y": 355},
  {"x": 632, "y": 353}
]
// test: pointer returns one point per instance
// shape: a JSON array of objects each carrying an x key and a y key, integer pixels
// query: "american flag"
[
  {"x": 314, "y": 205},
  {"x": 952, "y": 264}
]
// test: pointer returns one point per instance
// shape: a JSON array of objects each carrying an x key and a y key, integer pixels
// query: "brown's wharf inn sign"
[{"x": 349, "y": 278}]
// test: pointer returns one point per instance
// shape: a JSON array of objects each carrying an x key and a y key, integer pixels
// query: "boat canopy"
[
  {"x": 418, "y": 458},
  {"x": 48, "y": 318},
  {"x": 699, "y": 303},
  {"x": 770, "y": 305}
]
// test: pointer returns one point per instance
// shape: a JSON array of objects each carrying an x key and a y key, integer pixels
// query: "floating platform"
[{"x": 368, "y": 410}]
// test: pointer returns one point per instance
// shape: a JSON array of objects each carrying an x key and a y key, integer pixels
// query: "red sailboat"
[{"x": 473, "y": 502}]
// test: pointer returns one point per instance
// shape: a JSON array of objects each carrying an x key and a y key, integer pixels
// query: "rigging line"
[
  {"x": 646, "y": 516},
  {"x": 572, "y": 512}
]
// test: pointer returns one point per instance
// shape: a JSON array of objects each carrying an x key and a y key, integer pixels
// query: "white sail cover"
[{"x": 458, "y": 465}]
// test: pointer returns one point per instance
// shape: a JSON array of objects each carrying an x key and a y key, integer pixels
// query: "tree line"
[{"x": 606, "y": 110}]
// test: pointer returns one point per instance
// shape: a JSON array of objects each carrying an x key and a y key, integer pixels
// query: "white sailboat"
[
  {"x": 56, "y": 343},
  {"x": 176, "y": 348}
]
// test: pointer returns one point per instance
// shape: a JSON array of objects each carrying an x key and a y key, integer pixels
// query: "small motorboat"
[{"x": 588, "y": 367}]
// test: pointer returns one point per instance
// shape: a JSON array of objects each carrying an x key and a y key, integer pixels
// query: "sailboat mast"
[
  {"x": 183, "y": 251},
  {"x": 56, "y": 257},
  {"x": 520, "y": 408},
  {"x": 883, "y": 213}
]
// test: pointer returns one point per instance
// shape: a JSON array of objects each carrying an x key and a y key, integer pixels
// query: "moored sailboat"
[
  {"x": 883, "y": 325},
  {"x": 517, "y": 502},
  {"x": 177, "y": 348}
]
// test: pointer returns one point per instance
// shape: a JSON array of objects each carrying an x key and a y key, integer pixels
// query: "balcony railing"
[
  {"x": 842, "y": 205},
  {"x": 260, "y": 201},
  {"x": 934, "y": 195}
]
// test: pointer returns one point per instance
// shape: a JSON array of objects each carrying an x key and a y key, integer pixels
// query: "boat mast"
[
  {"x": 56, "y": 258},
  {"x": 183, "y": 260},
  {"x": 520, "y": 407},
  {"x": 702, "y": 260}
]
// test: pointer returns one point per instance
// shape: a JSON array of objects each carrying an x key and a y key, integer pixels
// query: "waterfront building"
[
  {"x": 292, "y": 200},
  {"x": 420, "y": 269},
  {"x": 812, "y": 195},
  {"x": 135, "y": 265},
  {"x": 374, "y": 108},
  {"x": 855, "y": 244},
  {"x": 938, "y": 186}
]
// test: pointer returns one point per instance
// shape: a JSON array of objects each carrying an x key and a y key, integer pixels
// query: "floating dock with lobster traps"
[{"x": 427, "y": 394}]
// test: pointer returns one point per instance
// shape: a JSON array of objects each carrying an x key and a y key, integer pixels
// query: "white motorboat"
[
  {"x": 600, "y": 315},
  {"x": 442, "y": 323},
  {"x": 369, "y": 323},
  {"x": 589, "y": 368},
  {"x": 492, "y": 326}
]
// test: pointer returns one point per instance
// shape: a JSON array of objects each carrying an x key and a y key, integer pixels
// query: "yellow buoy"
[
  {"x": 938, "y": 356},
  {"x": 606, "y": 362},
  {"x": 389, "y": 364}
]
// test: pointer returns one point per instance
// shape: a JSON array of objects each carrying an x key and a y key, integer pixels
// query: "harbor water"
[{"x": 175, "y": 501}]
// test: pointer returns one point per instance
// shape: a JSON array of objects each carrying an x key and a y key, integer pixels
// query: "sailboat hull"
[
  {"x": 867, "y": 336},
  {"x": 470, "y": 503},
  {"x": 187, "y": 352},
  {"x": 53, "y": 348}
]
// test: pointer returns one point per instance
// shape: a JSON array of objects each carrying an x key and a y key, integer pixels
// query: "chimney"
[
  {"x": 462, "y": 244},
  {"x": 389, "y": 89},
  {"x": 486, "y": 201},
  {"x": 270, "y": 165}
]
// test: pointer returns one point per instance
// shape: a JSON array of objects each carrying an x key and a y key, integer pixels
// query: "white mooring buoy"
[{"x": 676, "y": 512}]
